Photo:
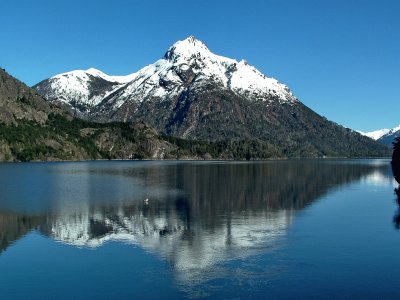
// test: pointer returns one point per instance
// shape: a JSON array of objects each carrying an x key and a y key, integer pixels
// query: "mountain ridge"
[
  {"x": 194, "y": 94},
  {"x": 385, "y": 136},
  {"x": 185, "y": 61},
  {"x": 32, "y": 129}
]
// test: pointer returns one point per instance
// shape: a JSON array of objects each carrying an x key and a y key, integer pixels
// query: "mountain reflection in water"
[{"x": 197, "y": 215}]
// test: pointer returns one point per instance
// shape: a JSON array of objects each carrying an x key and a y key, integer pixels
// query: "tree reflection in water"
[
  {"x": 396, "y": 173},
  {"x": 396, "y": 218},
  {"x": 396, "y": 159},
  {"x": 219, "y": 209}
]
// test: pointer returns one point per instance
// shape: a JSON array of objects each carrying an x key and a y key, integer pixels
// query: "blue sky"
[{"x": 340, "y": 58}]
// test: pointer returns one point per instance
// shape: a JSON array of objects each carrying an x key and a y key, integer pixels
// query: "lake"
[{"x": 311, "y": 229}]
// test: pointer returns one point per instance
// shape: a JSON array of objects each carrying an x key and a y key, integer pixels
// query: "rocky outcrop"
[{"x": 19, "y": 102}]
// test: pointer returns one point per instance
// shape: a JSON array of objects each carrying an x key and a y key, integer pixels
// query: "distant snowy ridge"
[
  {"x": 384, "y": 136},
  {"x": 380, "y": 133},
  {"x": 376, "y": 134}
]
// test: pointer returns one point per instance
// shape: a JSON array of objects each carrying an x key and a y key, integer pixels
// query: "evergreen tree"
[{"x": 396, "y": 159}]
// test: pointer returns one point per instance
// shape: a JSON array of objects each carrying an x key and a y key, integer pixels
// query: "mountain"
[
  {"x": 81, "y": 89},
  {"x": 384, "y": 136},
  {"x": 20, "y": 102},
  {"x": 187, "y": 65},
  {"x": 32, "y": 128},
  {"x": 193, "y": 93}
]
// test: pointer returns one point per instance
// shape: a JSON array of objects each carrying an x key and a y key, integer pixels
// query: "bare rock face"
[
  {"x": 19, "y": 102},
  {"x": 113, "y": 144}
]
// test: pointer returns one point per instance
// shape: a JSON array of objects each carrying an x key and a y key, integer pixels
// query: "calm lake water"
[{"x": 307, "y": 229}]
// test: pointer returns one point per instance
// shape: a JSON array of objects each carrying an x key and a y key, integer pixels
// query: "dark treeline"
[
  {"x": 65, "y": 138},
  {"x": 396, "y": 159}
]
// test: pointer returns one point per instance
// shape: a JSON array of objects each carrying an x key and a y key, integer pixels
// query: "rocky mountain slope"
[
  {"x": 195, "y": 94},
  {"x": 19, "y": 102},
  {"x": 32, "y": 128}
]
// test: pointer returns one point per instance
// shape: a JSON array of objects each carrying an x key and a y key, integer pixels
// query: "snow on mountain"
[
  {"x": 81, "y": 87},
  {"x": 237, "y": 76},
  {"x": 168, "y": 75},
  {"x": 381, "y": 133},
  {"x": 376, "y": 134},
  {"x": 184, "y": 61},
  {"x": 193, "y": 93},
  {"x": 393, "y": 130},
  {"x": 119, "y": 79}
]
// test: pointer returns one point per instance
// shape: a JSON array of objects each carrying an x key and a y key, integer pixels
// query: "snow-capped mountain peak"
[
  {"x": 192, "y": 93},
  {"x": 187, "y": 48},
  {"x": 235, "y": 75},
  {"x": 95, "y": 72},
  {"x": 187, "y": 65}
]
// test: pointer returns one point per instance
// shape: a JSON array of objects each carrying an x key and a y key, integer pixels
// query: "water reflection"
[
  {"x": 396, "y": 174},
  {"x": 197, "y": 215},
  {"x": 396, "y": 218}
]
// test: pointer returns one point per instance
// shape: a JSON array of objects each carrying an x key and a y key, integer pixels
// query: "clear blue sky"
[{"x": 340, "y": 57}]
